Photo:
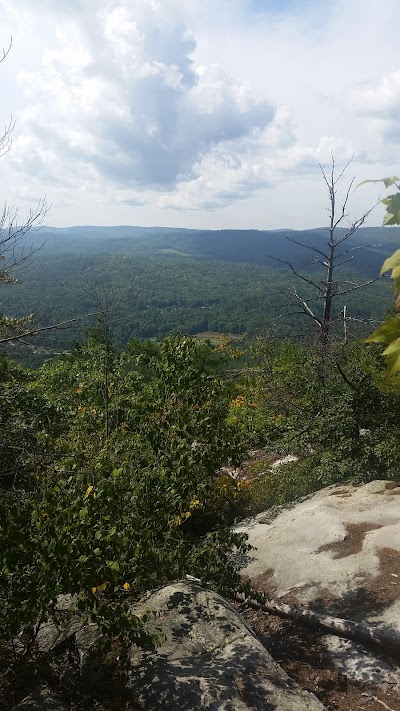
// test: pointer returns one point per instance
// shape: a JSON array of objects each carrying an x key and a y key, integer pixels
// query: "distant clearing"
[
  {"x": 175, "y": 251},
  {"x": 215, "y": 336}
]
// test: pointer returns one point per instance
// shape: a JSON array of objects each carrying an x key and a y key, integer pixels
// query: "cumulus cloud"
[
  {"x": 120, "y": 100},
  {"x": 187, "y": 105},
  {"x": 379, "y": 101}
]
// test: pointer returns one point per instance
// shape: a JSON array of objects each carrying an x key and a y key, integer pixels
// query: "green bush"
[
  {"x": 337, "y": 411},
  {"x": 129, "y": 502}
]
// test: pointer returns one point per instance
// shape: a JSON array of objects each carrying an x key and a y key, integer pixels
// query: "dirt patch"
[
  {"x": 339, "y": 492},
  {"x": 386, "y": 586},
  {"x": 302, "y": 654},
  {"x": 258, "y": 464},
  {"x": 370, "y": 597},
  {"x": 390, "y": 485},
  {"x": 263, "y": 580},
  {"x": 218, "y": 336},
  {"x": 353, "y": 541}
]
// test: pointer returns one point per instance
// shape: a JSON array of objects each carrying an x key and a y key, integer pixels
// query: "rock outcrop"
[
  {"x": 209, "y": 659},
  {"x": 337, "y": 551}
]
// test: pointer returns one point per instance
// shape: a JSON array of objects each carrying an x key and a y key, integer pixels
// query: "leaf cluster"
[
  {"x": 389, "y": 332},
  {"x": 125, "y": 500}
]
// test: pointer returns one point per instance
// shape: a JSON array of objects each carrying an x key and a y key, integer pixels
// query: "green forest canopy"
[{"x": 161, "y": 280}]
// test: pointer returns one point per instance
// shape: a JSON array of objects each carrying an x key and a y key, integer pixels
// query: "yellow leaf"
[
  {"x": 88, "y": 492},
  {"x": 94, "y": 590},
  {"x": 126, "y": 586}
]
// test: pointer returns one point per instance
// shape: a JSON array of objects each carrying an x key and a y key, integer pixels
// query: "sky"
[{"x": 208, "y": 114}]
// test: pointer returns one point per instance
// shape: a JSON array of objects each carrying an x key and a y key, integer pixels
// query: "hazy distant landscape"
[{"x": 162, "y": 280}]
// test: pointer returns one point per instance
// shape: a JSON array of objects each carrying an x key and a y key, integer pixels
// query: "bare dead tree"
[
  {"x": 14, "y": 251},
  {"x": 13, "y": 228},
  {"x": 332, "y": 254}
]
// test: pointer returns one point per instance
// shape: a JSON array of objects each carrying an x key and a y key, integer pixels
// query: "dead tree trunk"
[
  {"x": 320, "y": 306},
  {"x": 385, "y": 639}
]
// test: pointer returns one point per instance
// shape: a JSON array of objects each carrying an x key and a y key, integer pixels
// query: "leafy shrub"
[
  {"x": 129, "y": 503},
  {"x": 338, "y": 413}
]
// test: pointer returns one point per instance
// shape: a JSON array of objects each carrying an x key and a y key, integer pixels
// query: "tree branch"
[
  {"x": 300, "y": 276},
  {"x": 359, "y": 286},
  {"x": 306, "y": 308},
  {"x": 306, "y": 246},
  {"x": 40, "y": 329}
]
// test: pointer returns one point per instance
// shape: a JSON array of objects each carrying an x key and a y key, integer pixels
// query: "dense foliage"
[
  {"x": 124, "y": 494},
  {"x": 334, "y": 409},
  {"x": 111, "y": 457},
  {"x": 214, "y": 281}
]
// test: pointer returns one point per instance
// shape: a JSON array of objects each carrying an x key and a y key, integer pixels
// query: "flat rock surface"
[
  {"x": 337, "y": 551},
  {"x": 209, "y": 659}
]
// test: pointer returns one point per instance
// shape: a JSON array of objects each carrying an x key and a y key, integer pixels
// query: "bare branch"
[
  {"x": 357, "y": 247},
  {"x": 359, "y": 286},
  {"x": 298, "y": 274},
  {"x": 306, "y": 246},
  {"x": 6, "y": 140},
  {"x": 355, "y": 226},
  {"x": 41, "y": 329},
  {"x": 344, "y": 261},
  {"x": 328, "y": 256},
  {"x": 306, "y": 309},
  {"x": 344, "y": 206},
  {"x": 6, "y": 51}
]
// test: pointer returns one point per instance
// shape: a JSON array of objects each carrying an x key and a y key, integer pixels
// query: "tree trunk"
[{"x": 385, "y": 639}]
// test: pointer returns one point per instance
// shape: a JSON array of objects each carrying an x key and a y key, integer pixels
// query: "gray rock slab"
[
  {"x": 208, "y": 659},
  {"x": 339, "y": 550},
  {"x": 300, "y": 549}
]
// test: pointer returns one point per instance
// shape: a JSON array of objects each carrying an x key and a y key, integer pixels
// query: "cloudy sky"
[{"x": 197, "y": 113}]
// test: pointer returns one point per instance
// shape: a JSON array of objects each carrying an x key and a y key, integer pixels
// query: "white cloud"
[
  {"x": 379, "y": 101},
  {"x": 126, "y": 105},
  {"x": 177, "y": 105}
]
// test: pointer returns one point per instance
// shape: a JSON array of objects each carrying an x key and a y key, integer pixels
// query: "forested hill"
[
  {"x": 164, "y": 280},
  {"x": 246, "y": 246}
]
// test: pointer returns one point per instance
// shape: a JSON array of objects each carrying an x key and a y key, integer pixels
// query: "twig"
[
  {"x": 378, "y": 701},
  {"x": 334, "y": 625}
]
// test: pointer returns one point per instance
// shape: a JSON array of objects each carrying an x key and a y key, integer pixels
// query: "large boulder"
[
  {"x": 208, "y": 659},
  {"x": 339, "y": 551}
]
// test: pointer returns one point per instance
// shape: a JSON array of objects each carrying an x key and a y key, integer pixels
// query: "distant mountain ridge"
[
  {"x": 166, "y": 280},
  {"x": 242, "y": 246}
]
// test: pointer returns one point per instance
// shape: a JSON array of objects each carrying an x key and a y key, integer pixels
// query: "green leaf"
[
  {"x": 386, "y": 333},
  {"x": 392, "y": 263},
  {"x": 394, "y": 180},
  {"x": 392, "y": 203},
  {"x": 113, "y": 565},
  {"x": 391, "y": 181},
  {"x": 392, "y": 354}
]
